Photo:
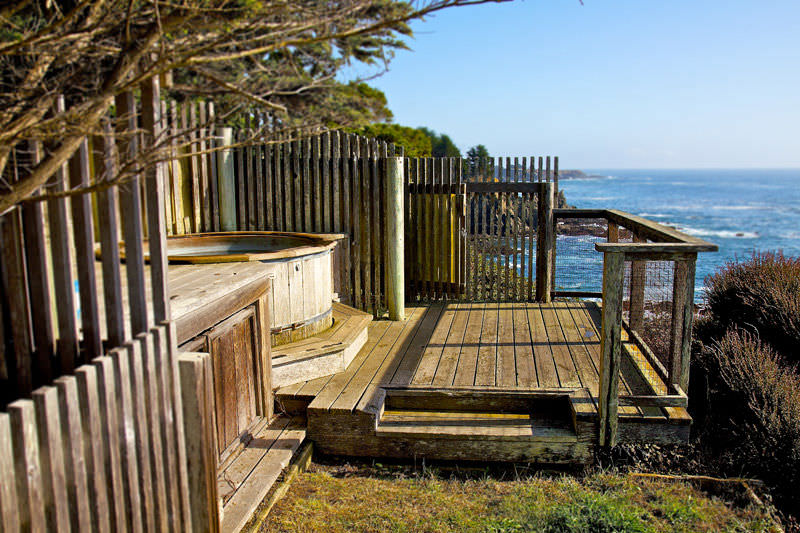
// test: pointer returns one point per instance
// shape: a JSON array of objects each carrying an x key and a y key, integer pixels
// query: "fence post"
[
  {"x": 610, "y": 345},
  {"x": 682, "y": 319},
  {"x": 395, "y": 268},
  {"x": 197, "y": 390},
  {"x": 544, "y": 243},
  {"x": 638, "y": 281},
  {"x": 227, "y": 181}
]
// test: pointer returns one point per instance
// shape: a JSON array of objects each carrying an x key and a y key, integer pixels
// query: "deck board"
[{"x": 475, "y": 346}]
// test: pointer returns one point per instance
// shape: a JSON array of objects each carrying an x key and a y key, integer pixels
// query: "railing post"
[
  {"x": 544, "y": 243},
  {"x": 682, "y": 320},
  {"x": 610, "y": 345},
  {"x": 227, "y": 182},
  {"x": 638, "y": 275},
  {"x": 395, "y": 230}
]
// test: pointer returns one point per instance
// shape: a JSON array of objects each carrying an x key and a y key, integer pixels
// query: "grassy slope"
[{"x": 333, "y": 499}]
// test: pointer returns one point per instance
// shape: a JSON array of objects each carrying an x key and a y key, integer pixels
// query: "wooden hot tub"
[{"x": 300, "y": 263}]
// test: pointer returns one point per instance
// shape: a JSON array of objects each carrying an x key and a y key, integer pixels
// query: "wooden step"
[
  {"x": 475, "y": 425},
  {"x": 324, "y": 354}
]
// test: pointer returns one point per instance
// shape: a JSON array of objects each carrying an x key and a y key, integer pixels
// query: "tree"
[
  {"x": 477, "y": 152},
  {"x": 272, "y": 54},
  {"x": 441, "y": 145},
  {"x": 414, "y": 142}
]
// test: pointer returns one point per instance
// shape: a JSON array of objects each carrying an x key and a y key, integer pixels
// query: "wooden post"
[
  {"x": 395, "y": 242},
  {"x": 638, "y": 275},
  {"x": 610, "y": 345},
  {"x": 682, "y": 319},
  {"x": 197, "y": 397},
  {"x": 227, "y": 182},
  {"x": 154, "y": 197},
  {"x": 544, "y": 243}
]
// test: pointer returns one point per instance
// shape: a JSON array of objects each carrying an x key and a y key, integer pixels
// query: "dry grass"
[{"x": 340, "y": 499}]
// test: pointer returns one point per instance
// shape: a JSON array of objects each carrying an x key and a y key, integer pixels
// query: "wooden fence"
[
  {"x": 329, "y": 183},
  {"x": 93, "y": 437},
  {"x": 472, "y": 228}
]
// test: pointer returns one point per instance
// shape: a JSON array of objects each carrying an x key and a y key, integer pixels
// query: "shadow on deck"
[{"x": 480, "y": 381}]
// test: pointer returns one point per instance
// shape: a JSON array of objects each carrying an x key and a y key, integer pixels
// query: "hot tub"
[{"x": 301, "y": 264}]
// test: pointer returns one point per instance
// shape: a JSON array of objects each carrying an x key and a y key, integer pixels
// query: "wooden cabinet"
[{"x": 241, "y": 365}]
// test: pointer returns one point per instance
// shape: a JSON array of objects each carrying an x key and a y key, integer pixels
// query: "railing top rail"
[{"x": 669, "y": 240}]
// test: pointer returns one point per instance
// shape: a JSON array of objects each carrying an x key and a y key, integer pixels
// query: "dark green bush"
[
  {"x": 752, "y": 425},
  {"x": 761, "y": 295}
]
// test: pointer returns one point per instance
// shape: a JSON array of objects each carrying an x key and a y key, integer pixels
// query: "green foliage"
[
  {"x": 378, "y": 501},
  {"x": 753, "y": 401},
  {"x": 760, "y": 295},
  {"x": 414, "y": 142},
  {"x": 478, "y": 152},
  {"x": 441, "y": 144}
]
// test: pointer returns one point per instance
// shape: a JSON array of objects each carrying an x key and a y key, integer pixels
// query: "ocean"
[{"x": 742, "y": 211}]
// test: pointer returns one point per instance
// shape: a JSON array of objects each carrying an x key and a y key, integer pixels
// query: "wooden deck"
[{"x": 515, "y": 373}]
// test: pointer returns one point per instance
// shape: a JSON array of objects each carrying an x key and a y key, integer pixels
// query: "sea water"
[{"x": 742, "y": 211}]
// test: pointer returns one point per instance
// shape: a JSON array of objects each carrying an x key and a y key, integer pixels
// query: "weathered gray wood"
[
  {"x": 308, "y": 186},
  {"x": 545, "y": 244},
  {"x": 239, "y": 155},
  {"x": 682, "y": 319},
  {"x": 9, "y": 504},
  {"x": 176, "y": 192},
  {"x": 38, "y": 284},
  {"x": 148, "y": 390},
  {"x": 92, "y": 425},
  {"x": 671, "y": 400},
  {"x": 395, "y": 238},
  {"x": 637, "y": 284},
  {"x": 108, "y": 224},
  {"x": 197, "y": 399},
  {"x": 214, "y": 166},
  {"x": 64, "y": 285},
  {"x": 107, "y": 395},
  {"x": 655, "y": 231},
  {"x": 51, "y": 459},
  {"x": 166, "y": 339},
  {"x": 325, "y": 199},
  {"x": 15, "y": 282},
  {"x": 227, "y": 182},
  {"x": 653, "y": 248},
  {"x": 204, "y": 143},
  {"x": 154, "y": 191},
  {"x": 610, "y": 346},
  {"x": 73, "y": 440},
  {"x": 135, "y": 475},
  {"x": 130, "y": 203},
  {"x": 28, "y": 470}
]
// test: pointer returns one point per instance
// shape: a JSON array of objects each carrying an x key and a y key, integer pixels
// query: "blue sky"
[{"x": 610, "y": 84}]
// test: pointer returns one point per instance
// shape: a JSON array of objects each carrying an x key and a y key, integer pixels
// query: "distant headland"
[{"x": 576, "y": 175}]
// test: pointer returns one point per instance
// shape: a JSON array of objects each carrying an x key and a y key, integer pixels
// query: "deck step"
[
  {"x": 324, "y": 354},
  {"x": 475, "y": 425}
]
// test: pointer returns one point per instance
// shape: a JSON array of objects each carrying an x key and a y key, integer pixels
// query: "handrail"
[
  {"x": 642, "y": 227},
  {"x": 669, "y": 244}
]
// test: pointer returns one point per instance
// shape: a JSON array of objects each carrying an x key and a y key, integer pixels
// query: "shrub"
[
  {"x": 753, "y": 422},
  {"x": 760, "y": 295}
]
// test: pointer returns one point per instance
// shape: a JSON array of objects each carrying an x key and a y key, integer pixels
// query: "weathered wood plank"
[
  {"x": 429, "y": 362},
  {"x": 9, "y": 504},
  {"x": 51, "y": 459},
  {"x": 448, "y": 363},
  {"x": 506, "y": 373},
  {"x": 613, "y": 271},
  {"x": 92, "y": 425},
  {"x": 486, "y": 371},
  {"x": 468, "y": 360},
  {"x": 73, "y": 440},
  {"x": 523, "y": 349},
  {"x": 543, "y": 351},
  {"x": 28, "y": 470}
]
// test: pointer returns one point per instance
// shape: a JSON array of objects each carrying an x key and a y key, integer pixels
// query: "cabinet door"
[{"x": 234, "y": 347}]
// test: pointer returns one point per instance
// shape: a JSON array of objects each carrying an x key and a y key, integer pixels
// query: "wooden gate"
[{"x": 472, "y": 228}]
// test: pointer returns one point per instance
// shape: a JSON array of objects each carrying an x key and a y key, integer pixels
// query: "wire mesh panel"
[{"x": 579, "y": 267}]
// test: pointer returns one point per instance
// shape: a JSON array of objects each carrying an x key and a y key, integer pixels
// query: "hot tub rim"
[{"x": 321, "y": 242}]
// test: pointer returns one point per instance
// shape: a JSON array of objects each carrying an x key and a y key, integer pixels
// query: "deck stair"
[
  {"x": 324, "y": 354},
  {"x": 481, "y": 425}
]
